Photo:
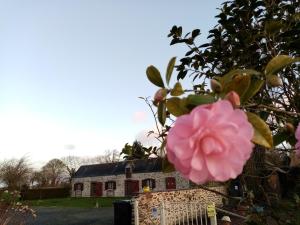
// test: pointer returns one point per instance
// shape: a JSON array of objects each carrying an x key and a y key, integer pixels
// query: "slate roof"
[{"x": 108, "y": 169}]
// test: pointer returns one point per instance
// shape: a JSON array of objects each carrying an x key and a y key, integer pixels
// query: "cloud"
[{"x": 139, "y": 117}]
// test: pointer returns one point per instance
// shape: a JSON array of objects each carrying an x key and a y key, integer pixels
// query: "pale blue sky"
[{"x": 71, "y": 70}]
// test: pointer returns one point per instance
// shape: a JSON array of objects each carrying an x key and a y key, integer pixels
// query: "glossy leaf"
[
  {"x": 278, "y": 63},
  {"x": 161, "y": 113},
  {"x": 239, "y": 84},
  {"x": 254, "y": 87},
  {"x": 177, "y": 90},
  {"x": 154, "y": 76},
  {"x": 170, "y": 69},
  {"x": 230, "y": 75},
  {"x": 176, "y": 106},
  {"x": 262, "y": 133},
  {"x": 274, "y": 81},
  {"x": 200, "y": 99},
  {"x": 195, "y": 33}
]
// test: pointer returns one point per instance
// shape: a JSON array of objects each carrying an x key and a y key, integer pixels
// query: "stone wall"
[
  {"x": 159, "y": 177},
  {"x": 149, "y": 204}
]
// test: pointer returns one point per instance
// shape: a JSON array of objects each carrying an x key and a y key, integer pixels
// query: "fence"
[
  {"x": 175, "y": 213},
  {"x": 185, "y": 213},
  {"x": 179, "y": 213}
]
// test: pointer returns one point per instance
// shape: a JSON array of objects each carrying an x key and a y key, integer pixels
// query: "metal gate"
[
  {"x": 184, "y": 213},
  {"x": 173, "y": 213}
]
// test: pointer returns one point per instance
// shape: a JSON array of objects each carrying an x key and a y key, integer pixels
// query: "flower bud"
[
  {"x": 216, "y": 86},
  {"x": 160, "y": 95},
  {"x": 274, "y": 81},
  {"x": 234, "y": 98},
  {"x": 289, "y": 128}
]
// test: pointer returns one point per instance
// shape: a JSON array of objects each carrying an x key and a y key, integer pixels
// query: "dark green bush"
[{"x": 45, "y": 193}]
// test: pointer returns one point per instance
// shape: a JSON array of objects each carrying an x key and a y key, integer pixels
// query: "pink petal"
[
  {"x": 221, "y": 169},
  {"x": 197, "y": 161},
  {"x": 210, "y": 145},
  {"x": 199, "y": 177},
  {"x": 184, "y": 127}
]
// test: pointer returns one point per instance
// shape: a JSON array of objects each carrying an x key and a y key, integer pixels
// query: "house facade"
[{"x": 125, "y": 178}]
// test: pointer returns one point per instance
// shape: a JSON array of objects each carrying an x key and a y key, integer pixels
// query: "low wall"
[{"x": 149, "y": 203}]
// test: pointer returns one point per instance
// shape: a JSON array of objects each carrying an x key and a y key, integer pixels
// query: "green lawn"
[{"x": 75, "y": 202}]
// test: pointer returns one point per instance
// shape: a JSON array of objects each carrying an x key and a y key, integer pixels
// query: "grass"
[{"x": 75, "y": 202}]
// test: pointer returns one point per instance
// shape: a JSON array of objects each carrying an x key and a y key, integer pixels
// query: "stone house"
[{"x": 126, "y": 178}]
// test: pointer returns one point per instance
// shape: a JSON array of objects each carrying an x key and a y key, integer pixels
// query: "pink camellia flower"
[
  {"x": 234, "y": 98},
  {"x": 297, "y": 135},
  {"x": 212, "y": 143}
]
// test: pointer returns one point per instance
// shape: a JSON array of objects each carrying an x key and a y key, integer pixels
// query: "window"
[
  {"x": 148, "y": 182},
  {"x": 110, "y": 185},
  {"x": 78, "y": 186},
  {"x": 170, "y": 183}
]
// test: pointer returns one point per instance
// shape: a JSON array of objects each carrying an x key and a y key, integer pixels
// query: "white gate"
[
  {"x": 177, "y": 213},
  {"x": 185, "y": 213},
  {"x": 173, "y": 213}
]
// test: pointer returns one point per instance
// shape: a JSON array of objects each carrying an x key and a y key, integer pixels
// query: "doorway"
[
  {"x": 96, "y": 189},
  {"x": 131, "y": 187}
]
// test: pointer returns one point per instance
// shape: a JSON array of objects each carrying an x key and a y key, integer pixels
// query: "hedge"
[{"x": 44, "y": 193}]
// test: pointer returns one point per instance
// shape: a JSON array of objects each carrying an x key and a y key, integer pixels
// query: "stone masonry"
[
  {"x": 159, "y": 177},
  {"x": 148, "y": 203}
]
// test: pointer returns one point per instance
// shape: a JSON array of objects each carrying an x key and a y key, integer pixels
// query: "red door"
[
  {"x": 131, "y": 187},
  {"x": 96, "y": 189}
]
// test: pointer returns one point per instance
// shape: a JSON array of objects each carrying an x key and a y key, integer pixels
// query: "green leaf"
[
  {"x": 161, "y": 113},
  {"x": 167, "y": 167},
  {"x": 262, "y": 133},
  {"x": 239, "y": 80},
  {"x": 195, "y": 33},
  {"x": 170, "y": 69},
  {"x": 278, "y": 63},
  {"x": 274, "y": 81},
  {"x": 176, "y": 106},
  {"x": 231, "y": 74},
  {"x": 154, "y": 76},
  {"x": 200, "y": 99},
  {"x": 239, "y": 84},
  {"x": 254, "y": 87},
  {"x": 177, "y": 90}
]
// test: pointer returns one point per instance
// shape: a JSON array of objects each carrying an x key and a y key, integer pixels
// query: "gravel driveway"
[{"x": 73, "y": 216}]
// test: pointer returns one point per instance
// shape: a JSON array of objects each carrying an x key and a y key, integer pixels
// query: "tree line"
[{"x": 17, "y": 174}]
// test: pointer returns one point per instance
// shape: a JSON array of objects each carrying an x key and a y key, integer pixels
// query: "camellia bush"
[
  {"x": 215, "y": 129},
  {"x": 12, "y": 211},
  {"x": 244, "y": 102}
]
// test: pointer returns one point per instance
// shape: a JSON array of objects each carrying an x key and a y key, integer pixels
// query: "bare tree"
[
  {"x": 72, "y": 164},
  {"x": 54, "y": 171},
  {"x": 38, "y": 179},
  {"x": 15, "y": 172},
  {"x": 109, "y": 156}
]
